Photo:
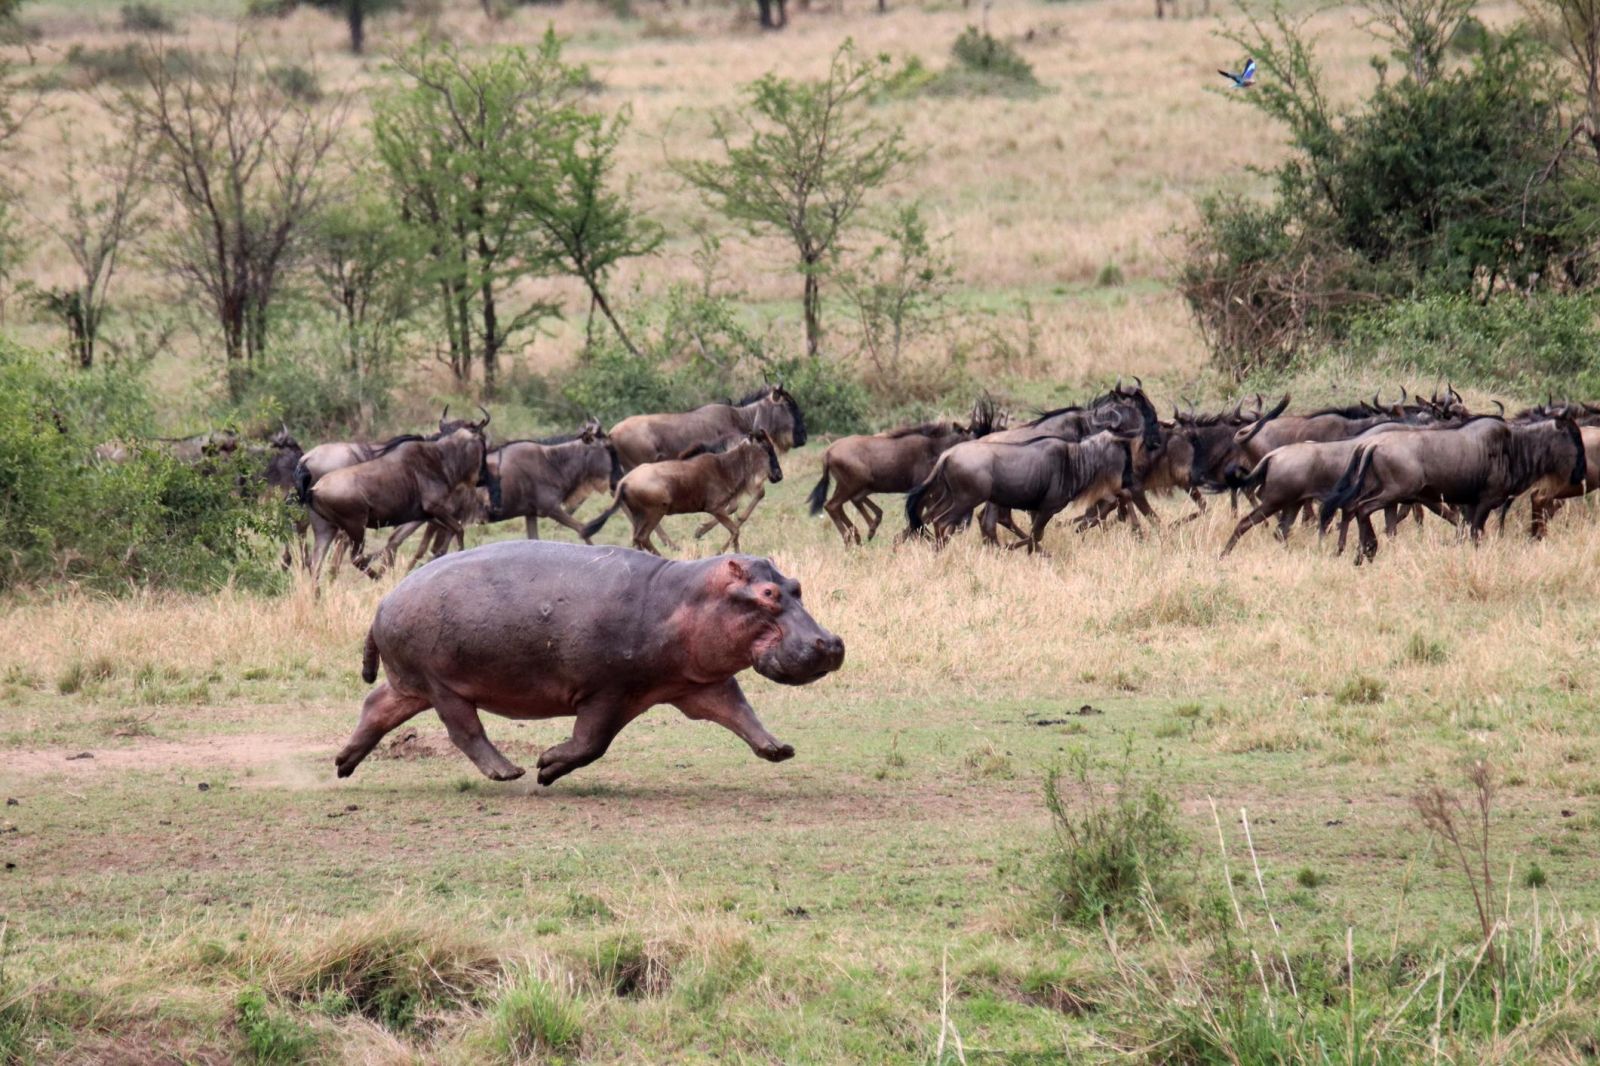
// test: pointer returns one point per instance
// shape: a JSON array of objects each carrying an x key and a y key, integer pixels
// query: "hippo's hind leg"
[
  {"x": 725, "y": 705},
  {"x": 384, "y": 710},
  {"x": 461, "y": 721}
]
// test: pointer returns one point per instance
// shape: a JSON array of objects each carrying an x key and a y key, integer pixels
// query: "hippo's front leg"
[
  {"x": 725, "y": 705},
  {"x": 592, "y": 733}
]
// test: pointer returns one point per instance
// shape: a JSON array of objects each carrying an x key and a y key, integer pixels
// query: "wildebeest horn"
[
  {"x": 444, "y": 414},
  {"x": 1500, "y": 405},
  {"x": 485, "y": 422},
  {"x": 1238, "y": 408},
  {"x": 1138, "y": 383}
]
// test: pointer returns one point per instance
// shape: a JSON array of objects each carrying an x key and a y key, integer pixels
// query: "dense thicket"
[
  {"x": 149, "y": 520},
  {"x": 1458, "y": 181}
]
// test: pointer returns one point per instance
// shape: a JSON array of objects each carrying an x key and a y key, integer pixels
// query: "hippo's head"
[{"x": 762, "y": 607}]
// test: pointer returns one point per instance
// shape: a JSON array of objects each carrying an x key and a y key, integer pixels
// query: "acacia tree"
[
  {"x": 586, "y": 220},
  {"x": 100, "y": 221},
  {"x": 503, "y": 177},
  {"x": 240, "y": 162},
  {"x": 357, "y": 252},
  {"x": 356, "y": 13},
  {"x": 807, "y": 157},
  {"x": 1574, "y": 27}
]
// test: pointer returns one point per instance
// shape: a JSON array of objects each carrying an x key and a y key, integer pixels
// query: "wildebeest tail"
[
  {"x": 369, "y": 660},
  {"x": 302, "y": 482},
  {"x": 1129, "y": 482},
  {"x": 819, "y": 495},
  {"x": 1347, "y": 489},
  {"x": 914, "y": 500},
  {"x": 1252, "y": 480},
  {"x": 603, "y": 517},
  {"x": 1261, "y": 422}
]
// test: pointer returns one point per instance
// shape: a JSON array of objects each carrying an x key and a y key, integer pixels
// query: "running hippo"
[{"x": 538, "y": 629}]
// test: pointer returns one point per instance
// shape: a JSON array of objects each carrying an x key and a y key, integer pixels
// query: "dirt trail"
[{"x": 235, "y": 752}]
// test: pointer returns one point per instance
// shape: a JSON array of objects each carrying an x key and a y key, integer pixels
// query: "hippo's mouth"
[{"x": 780, "y": 661}]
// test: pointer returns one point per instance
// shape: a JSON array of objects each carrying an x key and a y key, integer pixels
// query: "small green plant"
[
  {"x": 987, "y": 760},
  {"x": 1112, "y": 841},
  {"x": 1360, "y": 689},
  {"x": 1535, "y": 877},
  {"x": 1110, "y": 276},
  {"x": 1426, "y": 650},
  {"x": 1306, "y": 877},
  {"x": 585, "y": 905},
  {"x": 979, "y": 51},
  {"x": 79, "y": 673},
  {"x": 296, "y": 82},
  {"x": 271, "y": 1036},
  {"x": 532, "y": 1020},
  {"x": 630, "y": 968}
]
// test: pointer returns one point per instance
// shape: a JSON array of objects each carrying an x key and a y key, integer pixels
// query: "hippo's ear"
[{"x": 736, "y": 571}]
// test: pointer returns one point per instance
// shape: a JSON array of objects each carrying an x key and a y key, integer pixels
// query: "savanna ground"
[{"x": 179, "y": 841}]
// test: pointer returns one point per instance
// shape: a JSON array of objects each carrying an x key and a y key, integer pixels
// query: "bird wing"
[{"x": 1249, "y": 71}]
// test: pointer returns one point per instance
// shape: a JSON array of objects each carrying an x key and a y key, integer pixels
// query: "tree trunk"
[
  {"x": 601, "y": 302},
  {"x": 812, "y": 302},
  {"x": 356, "y": 14},
  {"x": 491, "y": 340}
]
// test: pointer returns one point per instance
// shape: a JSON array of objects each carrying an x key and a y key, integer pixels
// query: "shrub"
[
  {"x": 1360, "y": 689},
  {"x": 1548, "y": 342},
  {"x": 310, "y": 386},
  {"x": 141, "y": 17},
  {"x": 296, "y": 82},
  {"x": 1109, "y": 845},
  {"x": 176, "y": 525},
  {"x": 123, "y": 64},
  {"x": 981, "y": 65},
  {"x": 269, "y": 9},
  {"x": 1451, "y": 180},
  {"x": 533, "y": 1019}
]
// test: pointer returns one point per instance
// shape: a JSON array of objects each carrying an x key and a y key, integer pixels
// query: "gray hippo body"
[{"x": 536, "y": 629}]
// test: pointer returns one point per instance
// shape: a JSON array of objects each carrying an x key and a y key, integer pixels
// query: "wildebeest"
[
  {"x": 897, "y": 460},
  {"x": 653, "y": 438},
  {"x": 535, "y": 629},
  {"x": 1549, "y": 493},
  {"x": 1040, "y": 476},
  {"x": 550, "y": 478},
  {"x": 705, "y": 481},
  {"x": 192, "y": 449},
  {"x": 413, "y": 481},
  {"x": 1477, "y": 467},
  {"x": 323, "y": 459}
]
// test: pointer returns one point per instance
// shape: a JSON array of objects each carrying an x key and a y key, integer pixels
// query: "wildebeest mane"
[
  {"x": 385, "y": 447},
  {"x": 921, "y": 429},
  {"x": 716, "y": 447},
  {"x": 751, "y": 397},
  {"x": 1352, "y": 411},
  {"x": 1043, "y": 415}
]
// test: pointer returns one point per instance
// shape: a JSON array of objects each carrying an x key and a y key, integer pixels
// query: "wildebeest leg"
[
  {"x": 1246, "y": 524},
  {"x": 841, "y": 521},
  {"x": 1009, "y": 520},
  {"x": 1036, "y": 537},
  {"x": 987, "y": 520},
  {"x": 731, "y": 526},
  {"x": 725, "y": 705},
  {"x": 592, "y": 733},
  {"x": 643, "y": 526},
  {"x": 564, "y": 517},
  {"x": 871, "y": 512},
  {"x": 461, "y": 721},
  {"x": 1286, "y": 519},
  {"x": 1142, "y": 503},
  {"x": 383, "y": 711},
  {"x": 324, "y": 533},
  {"x": 530, "y": 524}
]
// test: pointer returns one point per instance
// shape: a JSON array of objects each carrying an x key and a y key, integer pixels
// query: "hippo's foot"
[
  {"x": 346, "y": 763},
  {"x": 775, "y": 752},
  {"x": 510, "y": 772}
]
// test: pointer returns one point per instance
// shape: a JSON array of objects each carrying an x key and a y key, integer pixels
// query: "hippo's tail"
[
  {"x": 603, "y": 517},
  {"x": 369, "y": 660},
  {"x": 302, "y": 482},
  {"x": 819, "y": 495}
]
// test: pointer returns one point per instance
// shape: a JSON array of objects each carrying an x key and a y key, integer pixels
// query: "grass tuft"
[{"x": 533, "y": 1019}]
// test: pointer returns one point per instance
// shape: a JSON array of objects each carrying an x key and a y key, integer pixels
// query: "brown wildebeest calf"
[
  {"x": 897, "y": 460},
  {"x": 703, "y": 482}
]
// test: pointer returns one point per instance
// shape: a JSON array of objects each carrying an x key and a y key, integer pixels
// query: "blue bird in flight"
[{"x": 1245, "y": 78}]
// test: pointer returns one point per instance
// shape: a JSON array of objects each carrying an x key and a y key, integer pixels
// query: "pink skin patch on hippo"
[{"x": 721, "y": 635}]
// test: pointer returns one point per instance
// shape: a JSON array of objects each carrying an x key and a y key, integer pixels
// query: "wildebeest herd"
[
  {"x": 1109, "y": 456},
  {"x": 619, "y": 632}
]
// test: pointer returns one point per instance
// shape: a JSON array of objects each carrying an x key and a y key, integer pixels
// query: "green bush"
[
  {"x": 141, "y": 17},
  {"x": 1448, "y": 181},
  {"x": 296, "y": 82},
  {"x": 1110, "y": 846},
  {"x": 315, "y": 393},
  {"x": 981, "y": 65},
  {"x": 1548, "y": 342},
  {"x": 146, "y": 521}
]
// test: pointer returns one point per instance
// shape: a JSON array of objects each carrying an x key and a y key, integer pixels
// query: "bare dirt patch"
[{"x": 234, "y": 752}]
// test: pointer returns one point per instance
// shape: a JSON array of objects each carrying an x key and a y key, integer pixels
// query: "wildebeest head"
[
  {"x": 594, "y": 433},
  {"x": 763, "y": 440},
  {"x": 788, "y": 645},
  {"x": 779, "y": 414}
]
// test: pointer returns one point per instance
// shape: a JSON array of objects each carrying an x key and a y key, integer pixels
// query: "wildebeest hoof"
[{"x": 776, "y": 752}]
